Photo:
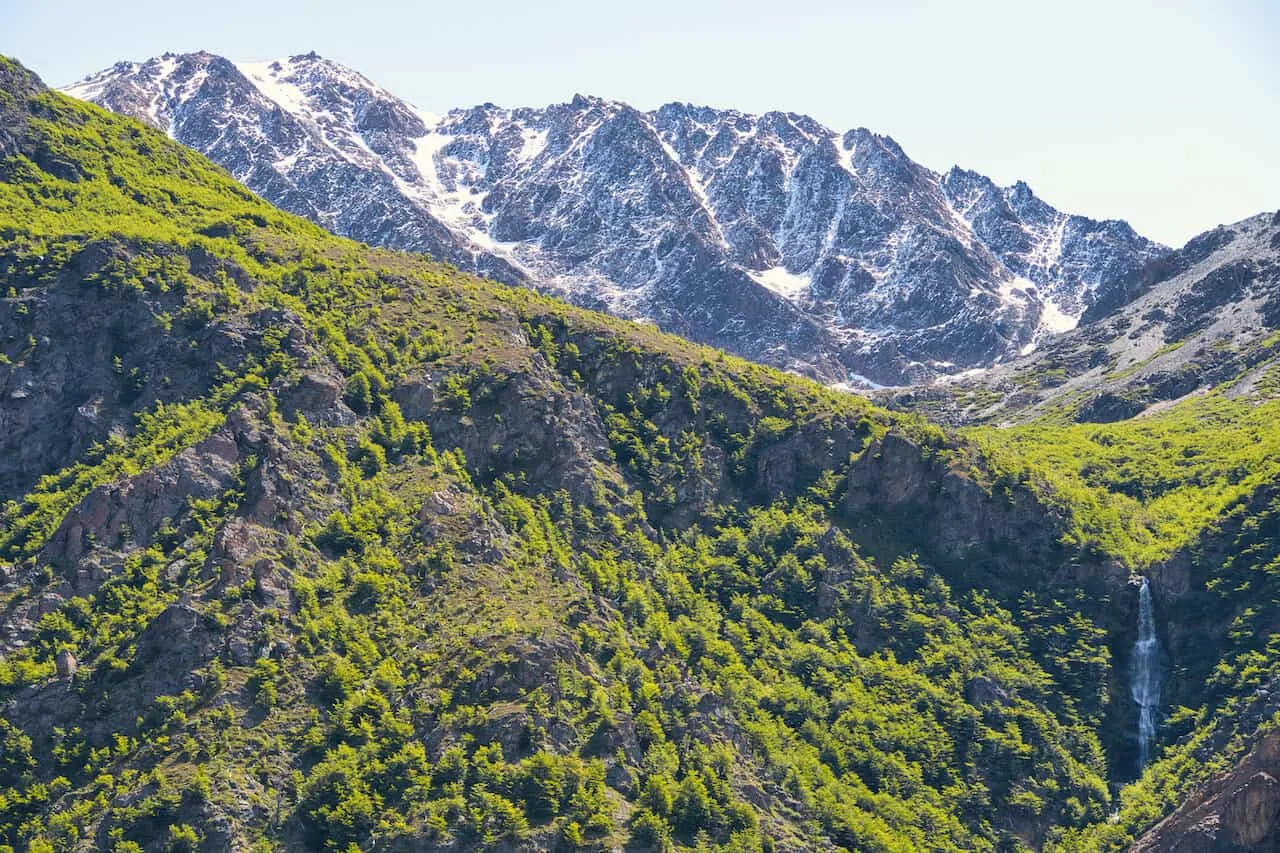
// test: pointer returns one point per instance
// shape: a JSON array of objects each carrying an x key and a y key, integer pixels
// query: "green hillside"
[{"x": 354, "y": 551}]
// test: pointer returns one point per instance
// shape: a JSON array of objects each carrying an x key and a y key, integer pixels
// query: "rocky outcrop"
[
  {"x": 981, "y": 534},
  {"x": 56, "y": 401},
  {"x": 526, "y": 425},
  {"x": 1236, "y": 812},
  {"x": 135, "y": 508},
  {"x": 1202, "y": 316},
  {"x": 13, "y": 112}
]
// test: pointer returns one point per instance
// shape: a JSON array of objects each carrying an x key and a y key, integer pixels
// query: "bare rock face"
[
  {"x": 22, "y": 83},
  {"x": 1185, "y": 322},
  {"x": 319, "y": 397},
  {"x": 1251, "y": 813},
  {"x": 769, "y": 235},
  {"x": 945, "y": 510},
  {"x": 57, "y": 401},
  {"x": 1237, "y": 812},
  {"x": 522, "y": 424},
  {"x": 66, "y": 664},
  {"x": 136, "y": 507}
]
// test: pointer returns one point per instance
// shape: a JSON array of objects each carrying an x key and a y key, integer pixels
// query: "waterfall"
[{"x": 1145, "y": 674}]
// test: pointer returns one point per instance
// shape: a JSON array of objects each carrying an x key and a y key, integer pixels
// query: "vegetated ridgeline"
[{"x": 346, "y": 548}]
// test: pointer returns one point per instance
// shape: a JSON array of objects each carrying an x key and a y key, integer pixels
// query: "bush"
[{"x": 650, "y": 832}]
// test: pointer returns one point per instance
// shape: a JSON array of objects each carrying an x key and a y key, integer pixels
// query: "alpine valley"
[
  {"x": 833, "y": 254},
  {"x": 308, "y": 544}
]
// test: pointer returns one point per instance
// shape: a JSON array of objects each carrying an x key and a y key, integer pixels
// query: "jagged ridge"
[
  {"x": 1203, "y": 316},
  {"x": 773, "y": 236},
  {"x": 319, "y": 545}
]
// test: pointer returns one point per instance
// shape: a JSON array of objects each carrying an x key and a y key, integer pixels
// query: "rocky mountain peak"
[
  {"x": 18, "y": 83},
  {"x": 829, "y": 253},
  {"x": 307, "y": 544},
  {"x": 1202, "y": 316}
]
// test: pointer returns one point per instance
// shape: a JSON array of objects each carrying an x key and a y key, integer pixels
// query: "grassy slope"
[
  {"x": 1142, "y": 489},
  {"x": 661, "y": 687},
  {"x": 449, "y": 651}
]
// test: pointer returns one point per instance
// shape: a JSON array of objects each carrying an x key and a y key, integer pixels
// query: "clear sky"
[{"x": 1163, "y": 113}]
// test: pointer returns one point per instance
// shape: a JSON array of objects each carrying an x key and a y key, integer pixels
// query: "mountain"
[
  {"x": 784, "y": 241},
  {"x": 1237, "y": 810},
  {"x": 1205, "y": 316},
  {"x": 310, "y": 545}
]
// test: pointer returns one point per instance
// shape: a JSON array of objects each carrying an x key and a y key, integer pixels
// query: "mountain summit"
[
  {"x": 309, "y": 545},
  {"x": 772, "y": 235}
]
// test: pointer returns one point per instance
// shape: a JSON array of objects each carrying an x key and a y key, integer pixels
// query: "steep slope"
[
  {"x": 1237, "y": 812},
  {"x": 1218, "y": 612},
  {"x": 1207, "y": 315},
  {"x": 315, "y": 545},
  {"x": 312, "y": 545},
  {"x": 1152, "y": 429},
  {"x": 773, "y": 236}
]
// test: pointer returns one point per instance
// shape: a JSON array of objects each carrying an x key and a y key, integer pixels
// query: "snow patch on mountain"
[
  {"x": 781, "y": 281},
  {"x": 1054, "y": 320},
  {"x": 271, "y": 80},
  {"x": 533, "y": 141},
  {"x": 696, "y": 218}
]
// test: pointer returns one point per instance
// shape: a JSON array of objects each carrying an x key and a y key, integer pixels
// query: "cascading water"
[{"x": 1145, "y": 674}]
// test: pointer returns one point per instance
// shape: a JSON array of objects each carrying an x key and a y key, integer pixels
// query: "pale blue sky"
[{"x": 1163, "y": 113}]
